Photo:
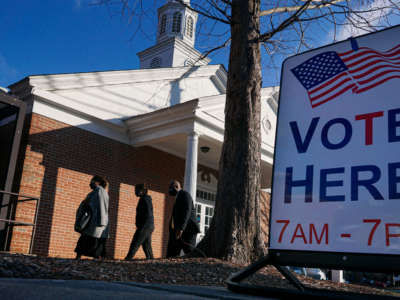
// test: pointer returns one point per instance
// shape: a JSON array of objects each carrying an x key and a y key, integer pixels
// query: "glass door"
[{"x": 205, "y": 202}]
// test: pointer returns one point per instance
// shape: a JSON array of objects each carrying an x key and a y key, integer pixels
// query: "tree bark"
[{"x": 235, "y": 231}]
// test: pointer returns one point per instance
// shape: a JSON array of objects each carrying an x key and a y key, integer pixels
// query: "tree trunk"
[{"x": 235, "y": 231}]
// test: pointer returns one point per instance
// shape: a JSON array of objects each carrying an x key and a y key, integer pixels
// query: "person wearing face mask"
[
  {"x": 92, "y": 241},
  {"x": 144, "y": 224},
  {"x": 183, "y": 227}
]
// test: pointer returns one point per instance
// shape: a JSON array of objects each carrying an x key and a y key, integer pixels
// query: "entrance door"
[{"x": 205, "y": 202}]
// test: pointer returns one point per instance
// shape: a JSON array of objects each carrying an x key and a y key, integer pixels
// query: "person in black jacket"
[
  {"x": 144, "y": 224},
  {"x": 183, "y": 227}
]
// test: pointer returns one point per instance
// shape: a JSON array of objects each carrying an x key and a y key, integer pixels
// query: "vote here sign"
[{"x": 336, "y": 179}]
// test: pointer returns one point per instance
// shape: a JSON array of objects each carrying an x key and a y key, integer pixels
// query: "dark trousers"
[
  {"x": 91, "y": 246},
  {"x": 186, "y": 243},
  {"x": 142, "y": 237}
]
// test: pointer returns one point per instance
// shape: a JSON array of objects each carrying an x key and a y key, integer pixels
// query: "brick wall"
[{"x": 58, "y": 163}]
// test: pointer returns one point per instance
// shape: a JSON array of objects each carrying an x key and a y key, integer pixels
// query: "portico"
[{"x": 183, "y": 129}]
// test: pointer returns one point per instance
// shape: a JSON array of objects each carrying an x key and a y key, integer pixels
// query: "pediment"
[{"x": 123, "y": 94}]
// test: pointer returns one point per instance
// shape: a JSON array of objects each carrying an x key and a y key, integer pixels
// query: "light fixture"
[{"x": 204, "y": 149}]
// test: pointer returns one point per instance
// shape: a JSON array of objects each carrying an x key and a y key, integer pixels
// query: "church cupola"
[
  {"x": 176, "y": 34},
  {"x": 176, "y": 20}
]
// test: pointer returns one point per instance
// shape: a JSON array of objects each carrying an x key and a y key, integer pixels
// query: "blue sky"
[
  {"x": 62, "y": 36},
  {"x": 66, "y": 36},
  {"x": 69, "y": 36}
]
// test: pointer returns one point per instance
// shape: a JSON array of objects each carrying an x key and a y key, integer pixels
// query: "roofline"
[
  {"x": 97, "y": 71},
  {"x": 92, "y": 79}
]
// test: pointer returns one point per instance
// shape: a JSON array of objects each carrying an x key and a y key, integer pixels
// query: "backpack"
[{"x": 83, "y": 216}]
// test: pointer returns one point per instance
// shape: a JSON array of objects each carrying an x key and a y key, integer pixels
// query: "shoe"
[{"x": 128, "y": 259}]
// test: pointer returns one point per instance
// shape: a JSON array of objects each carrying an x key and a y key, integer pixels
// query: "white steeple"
[{"x": 175, "y": 38}]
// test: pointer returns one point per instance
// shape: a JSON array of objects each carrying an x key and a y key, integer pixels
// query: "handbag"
[{"x": 83, "y": 217}]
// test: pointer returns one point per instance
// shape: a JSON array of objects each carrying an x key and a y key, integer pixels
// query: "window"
[
  {"x": 208, "y": 217},
  {"x": 176, "y": 22},
  {"x": 189, "y": 27},
  {"x": 198, "y": 213},
  {"x": 155, "y": 62},
  {"x": 163, "y": 24},
  {"x": 204, "y": 215},
  {"x": 203, "y": 195},
  {"x": 204, "y": 210}
]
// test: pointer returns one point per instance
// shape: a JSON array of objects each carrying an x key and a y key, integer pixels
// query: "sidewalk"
[{"x": 45, "y": 289}]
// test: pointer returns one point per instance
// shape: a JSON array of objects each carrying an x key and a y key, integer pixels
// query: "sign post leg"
[{"x": 233, "y": 283}]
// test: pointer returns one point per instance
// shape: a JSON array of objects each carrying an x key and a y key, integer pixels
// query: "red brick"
[{"x": 59, "y": 161}]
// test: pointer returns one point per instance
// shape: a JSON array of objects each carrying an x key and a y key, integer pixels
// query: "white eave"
[
  {"x": 195, "y": 115},
  {"x": 150, "y": 127},
  {"x": 93, "y": 79}
]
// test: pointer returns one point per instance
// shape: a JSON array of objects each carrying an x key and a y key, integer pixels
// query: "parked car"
[
  {"x": 310, "y": 272},
  {"x": 299, "y": 270},
  {"x": 316, "y": 273}
]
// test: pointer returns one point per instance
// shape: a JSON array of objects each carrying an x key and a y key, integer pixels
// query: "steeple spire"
[{"x": 175, "y": 38}]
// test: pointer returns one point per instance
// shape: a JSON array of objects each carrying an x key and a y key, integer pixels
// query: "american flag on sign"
[{"x": 330, "y": 74}]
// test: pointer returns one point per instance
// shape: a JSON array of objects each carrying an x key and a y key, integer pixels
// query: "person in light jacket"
[
  {"x": 144, "y": 224},
  {"x": 92, "y": 241}
]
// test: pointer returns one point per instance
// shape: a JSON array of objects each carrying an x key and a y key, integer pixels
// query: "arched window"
[
  {"x": 163, "y": 24},
  {"x": 189, "y": 27},
  {"x": 176, "y": 22},
  {"x": 155, "y": 62}
]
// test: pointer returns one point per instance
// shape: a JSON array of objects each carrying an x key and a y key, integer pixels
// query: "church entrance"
[{"x": 205, "y": 201}]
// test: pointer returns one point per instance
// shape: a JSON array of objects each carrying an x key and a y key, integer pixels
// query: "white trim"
[
  {"x": 173, "y": 44},
  {"x": 151, "y": 136},
  {"x": 99, "y": 127},
  {"x": 79, "y": 110},
  {"x": 92, "y": 79},
  {"x": 183, "y": 118},
  {"x": 144, "y": 129}
]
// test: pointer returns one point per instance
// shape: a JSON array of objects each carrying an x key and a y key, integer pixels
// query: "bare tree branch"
[
  {"x": 286, "y": 9},
  {"x": 264, "y": 37},
  {"x": 224, "y": 45},
  {"x": 203, "y": 13}
]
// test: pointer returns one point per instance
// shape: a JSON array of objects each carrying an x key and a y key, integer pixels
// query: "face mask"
[{"x": 172, "y": 192}]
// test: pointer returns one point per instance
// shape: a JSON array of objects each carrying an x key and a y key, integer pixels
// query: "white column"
[
  {"x": 337, "y": 276},
  {"x": 190, "y": 183}
]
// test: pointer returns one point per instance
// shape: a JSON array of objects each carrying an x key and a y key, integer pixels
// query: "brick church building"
[{"x": 160, "y": 122}]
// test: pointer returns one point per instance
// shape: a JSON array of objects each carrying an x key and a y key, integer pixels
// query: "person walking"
[
  {"x": 144, "y": 224},
  {"x": 92, "y": 241},
  {"x": 183, "y": 227}
]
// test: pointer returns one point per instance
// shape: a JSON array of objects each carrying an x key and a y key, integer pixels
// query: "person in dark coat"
[
  {"x": 183, "y": 227},
  {"x": 92, "y": 241},
  {"x": 144, "y": 224}
]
